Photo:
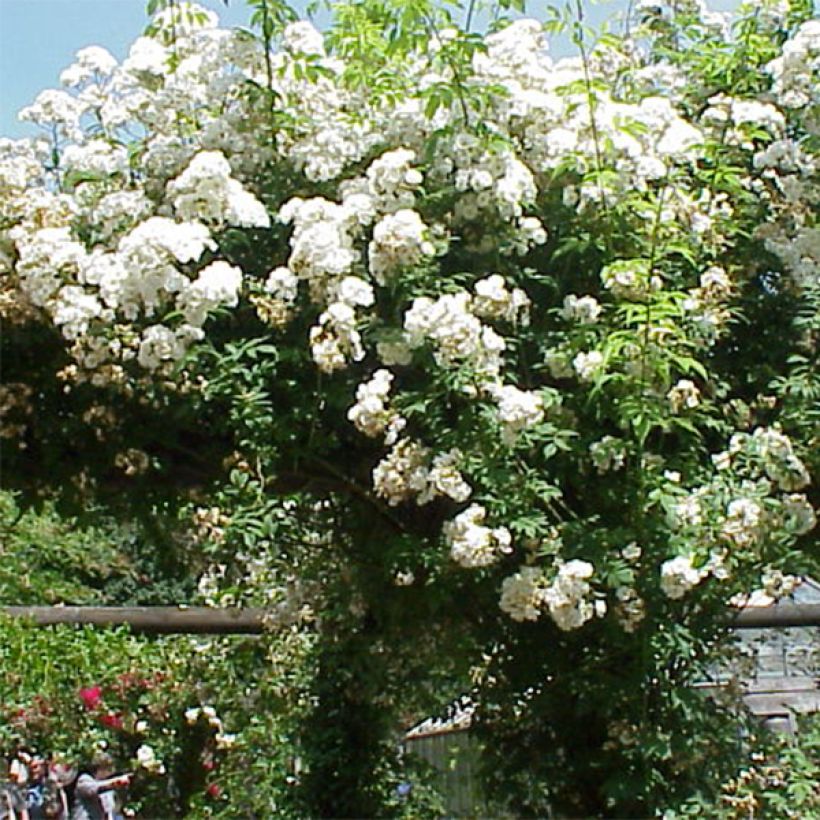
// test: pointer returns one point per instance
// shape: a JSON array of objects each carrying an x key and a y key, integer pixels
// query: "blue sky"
[{"x": 38, "y": 39}]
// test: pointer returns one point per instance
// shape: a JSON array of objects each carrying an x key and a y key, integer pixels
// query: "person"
[
  {"x": 90, "y": 793},
  {"x": 12, "y": 793},
  {"x": 12, "y": 802},
  {"x": 45, "y": 798}
]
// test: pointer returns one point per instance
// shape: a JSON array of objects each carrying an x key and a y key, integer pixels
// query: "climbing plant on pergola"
[{"x": 496, "y": 370}]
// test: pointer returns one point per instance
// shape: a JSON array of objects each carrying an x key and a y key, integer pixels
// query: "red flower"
[
  {"x": 113, "y": 720},
  {"x": 91, "y": 696},
  {"x": 214, "y": 790}
]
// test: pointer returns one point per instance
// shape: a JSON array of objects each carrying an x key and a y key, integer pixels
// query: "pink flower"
[
  {"x": 113, "y": 720},
  {"x": 91, "y": 696}
]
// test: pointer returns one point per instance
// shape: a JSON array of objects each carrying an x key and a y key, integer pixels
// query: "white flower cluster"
[
  {"x": 224, "y": 740},
  {"x": 96, "y": 157},
  {"x": 45, "y": 257},
  {"x": 57, "y": 109},
  {"x": 530, "y": 232},
  {"x": 20, "y": 168},
  {"x": 335, "y": 338},
  {"x": 705, "y": 306},
  {"x": 322, "y": 249},
  {"x": 584, "y": 310},
  {"x": 743, "y": 523},
  {"x": 92, "y": 62},
  {"x": 630, "y": 279},
  {"x": 739, "y": 509},
  {"x": 588, "y": 365},
  {"x": 497, "y": 180},
  {"x": 147, "y": 759},
  {"x": 408, "y": 472},
  {"x": 72, "y": 310},
  {"x": 281, "y": 289},
  {"x": 217, "y": 285},
  {"x": 797, "y": 70},
  {"x": 458, "y": 336},
  {"x": 630, "y": 609},
  {"x": 128, "y": 266},
  {"x": 559, "y": 362},
  {"x": 518, "y": 410},
  {"x": 773, "y": 449},
  {"x": 523, "y": 594},
  {"x": 799, "y": 251},
  {"x": 798, "y": 514},
  {"x": 683, "y": 396},
  {"x": 553, "y": 124},
  {"x": 687, "y": 511},
  {"x": 609, "y": 453},
  {"x": 492, "y": 300},
  {"x": 679, "y": 575},
  {"x": 370, "y": 414},
  {"x": 301, "y": 37},
  {"x": 162, "y": 344},
  {"x": 776, "y": 585},
  {"x": 733, "y": 116},
  {"x": 787, "y": 156},
  {"x": 282, "y": 285},
  {"x": 451, "y": 323},
  {"x": 399, "y": 241},
  {"x": 471, "y": 543},
  {"x": 568, "y": 596},
  {"x": 323, "y": 253},
  {"x": 138, "y": 278},
  {"x": 206, "y": 191},
  {"x": 391, "y": 181},
  {"x": 189, "y": 71},
  {"x": 515, "y": 189}
]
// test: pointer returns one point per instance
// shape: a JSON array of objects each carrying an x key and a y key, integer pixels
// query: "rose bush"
[
  {"x": 187, "y": 716},
  {"x": 498, "y": 369}
]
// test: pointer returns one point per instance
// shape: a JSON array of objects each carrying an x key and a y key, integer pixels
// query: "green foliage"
[
  {"x": 47, "y": 559},
  {"x": 779, "y": 778},
  {"x": 51, "y": 558}
]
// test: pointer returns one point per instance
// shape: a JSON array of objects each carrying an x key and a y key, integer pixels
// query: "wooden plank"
[
  {"x": 152, "y": 619},
  {"x": 798, "y": 683},
  {"x": 782, "y": 704}
]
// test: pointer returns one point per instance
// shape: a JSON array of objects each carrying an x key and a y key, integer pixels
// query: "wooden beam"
[
  {"x": 152, "y": 619},
  {"x": 253, "y": 621},
  {"x": 780, "y": 615}
]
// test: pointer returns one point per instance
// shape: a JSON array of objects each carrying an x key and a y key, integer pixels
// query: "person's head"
[
  {"x": 102, "y": 766},
  {"x": 64, "y": 773},
  {"x": 38, "y": 768}
]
